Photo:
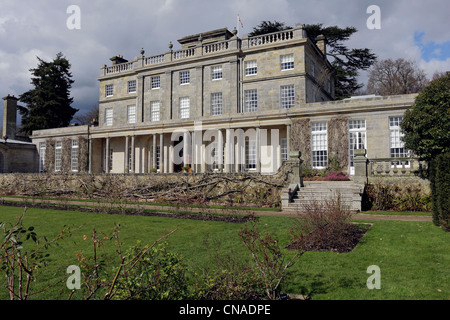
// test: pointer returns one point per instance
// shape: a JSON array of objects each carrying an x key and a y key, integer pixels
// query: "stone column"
[
  {"x": 360, "y": 162},
  {"x": 133, "y": 155},
  {"x": 185, "y": 149},
  {"x": 161, "y": 153},
  {"x": 107, "y": 155},
  {"x": 154, "y": 151},
  {"x": 127, "y": 155},
  {"x": 258, "y": 149},
  {"x": 229, "y": 151},
  {"x": 220, "y": 149},
  {"x": 90, "y": 142}
]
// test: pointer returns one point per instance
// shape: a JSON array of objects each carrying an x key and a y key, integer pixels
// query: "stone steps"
[{"x": 319, "y": 192}]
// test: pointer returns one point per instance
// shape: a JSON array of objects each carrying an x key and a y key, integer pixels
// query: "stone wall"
[{"x": 182, "y": 188}]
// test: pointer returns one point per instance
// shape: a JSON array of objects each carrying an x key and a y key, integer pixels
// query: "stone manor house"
[{"x": 228, "y": 104}]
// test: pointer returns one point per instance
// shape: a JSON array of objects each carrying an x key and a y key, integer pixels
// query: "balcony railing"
[
  {"x": 206, "y": 49},
  {"x": 395, "y": 166},
  {"x": 271, "y": 38}
]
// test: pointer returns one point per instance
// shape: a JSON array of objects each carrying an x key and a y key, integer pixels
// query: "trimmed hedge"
[{"x": 440, "y": 188}]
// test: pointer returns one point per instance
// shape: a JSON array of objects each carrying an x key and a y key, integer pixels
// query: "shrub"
[
  {"x": 440, "y": 181},
  {"x": 336, "y": 176},
  {"x": 325, "y": 227},
  {"x": 159, "y": 275},
  {"x": 385, "y": 196}
]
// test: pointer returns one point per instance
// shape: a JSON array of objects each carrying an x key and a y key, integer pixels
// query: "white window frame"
[
  {"x": 396, "y": 145},
  {"x": 284, "y": 149},
  {"x": 58, "y": 156},
  {"x": 131, "y": 114},
  {"x": 357, "y": 139},
  {"x": 109, "y": 117},
  {"x": 109, "y": 90},
  {"x": 251, "y": 100},
  {"x": 287, "y": 62},
  {"x": 319, "y": 145},
  {"x": 251, "y": 68},
  {"x": 185, "y": 77},
  {"x": 216, "y": 73},
  {"x": 132, "y": 86},
  {"x": 42, "y": 151},
  {"x": 185, "y": 105},
  {"x": 158, "y": 158},
  {"x": 155, "y": 82},
  {"x": 216, "y": 103},
  {"x": 74, "y": 156},
  {"x": 287, "y": 96},
  {"x": 250, "y": 155},
  {"x": 155, "y": 111}
]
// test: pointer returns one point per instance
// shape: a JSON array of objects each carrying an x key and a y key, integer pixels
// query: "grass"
[{"x": 413, "y": 256}]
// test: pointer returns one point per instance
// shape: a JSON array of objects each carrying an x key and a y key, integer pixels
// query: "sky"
[{"x": 100, "y": 29}]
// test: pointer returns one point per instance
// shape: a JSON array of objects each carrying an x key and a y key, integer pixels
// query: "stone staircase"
[{"x": 295, "y": 198}]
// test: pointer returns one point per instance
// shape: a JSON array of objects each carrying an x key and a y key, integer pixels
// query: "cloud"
[{"x": 109, "y": 27}]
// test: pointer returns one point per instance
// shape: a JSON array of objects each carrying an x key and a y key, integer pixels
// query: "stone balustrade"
[
  {"x": 385, "y": 167},
  {"x": 119, "y": 68},
  {"x": 394, "y": 166},
  {"x": 271, "y": 38},
  {"x": 207, "y": 49}
]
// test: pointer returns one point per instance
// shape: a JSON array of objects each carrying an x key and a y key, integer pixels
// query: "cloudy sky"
[{"x": 412, "y": 29}]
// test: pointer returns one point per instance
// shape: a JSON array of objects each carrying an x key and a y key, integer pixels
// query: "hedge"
[{"x": 440, "y": 188}]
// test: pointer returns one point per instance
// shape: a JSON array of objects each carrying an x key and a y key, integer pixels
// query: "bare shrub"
[{"x": 326, "y": 226}]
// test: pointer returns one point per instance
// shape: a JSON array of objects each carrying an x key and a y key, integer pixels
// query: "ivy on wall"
[
  {"x": 338, "y": 142},
  {"x": 50, "y": 155},
  {"x": 66, "y": 155},
  {"x": 83, "y": 154}
]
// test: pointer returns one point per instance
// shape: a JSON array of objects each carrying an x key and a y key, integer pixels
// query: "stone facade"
[
  {"x": 224, "y": 103},
  {"x": 16, "y": 153}
]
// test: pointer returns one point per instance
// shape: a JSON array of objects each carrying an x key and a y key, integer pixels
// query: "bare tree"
[
  {"x": 88, "y": 117},
  {"x": 390, "y": 77}
]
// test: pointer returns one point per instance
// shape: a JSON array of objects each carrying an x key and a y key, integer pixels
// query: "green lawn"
[{"x": 414, "y": 257}]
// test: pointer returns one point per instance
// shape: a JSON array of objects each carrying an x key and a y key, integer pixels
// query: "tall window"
[
  {"x": 319, "y": 145},
  {"x": 58, "y": 156},
  {"x": 74, "y": 156},
  {"x": 109, "y": 90},
  {"x": 251, "y": 101},
  {"x": 216, "y": 103},
  {"x": 251, "y": 68},
  {"x": 287, "y": 62},
  {"x": 397, "y": 146},
  {"x": 42, "y": 149},
  {"x": 185, "y": 77},
  {"x": 131, "y": 114},
  {"x": 284, "y": 149},
  {"x": 357, "y": 139},
  {"x": 216, "y": 73},
  {"x": 155, "y": 111},
  {"x": 250, "y": 154},
  {"x": 158, "y": 158},
  {"x": 156, "y": 82},
  {"x": 109, "y": 116},
  {"x": 287, "y": 96},
  {"x": 184, "y": 108},
  {"x": 132, "y": 86}
]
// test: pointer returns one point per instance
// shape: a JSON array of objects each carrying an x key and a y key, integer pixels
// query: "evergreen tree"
[
  {"x": 48, "y": 104},
  {"x": 346, "y": 62},
  {"x": 427, "y": 124}
]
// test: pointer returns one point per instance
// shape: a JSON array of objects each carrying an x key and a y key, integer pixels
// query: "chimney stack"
[
  {"x": 9, "y": 117},
  {"x": 322, "y": 44}
]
